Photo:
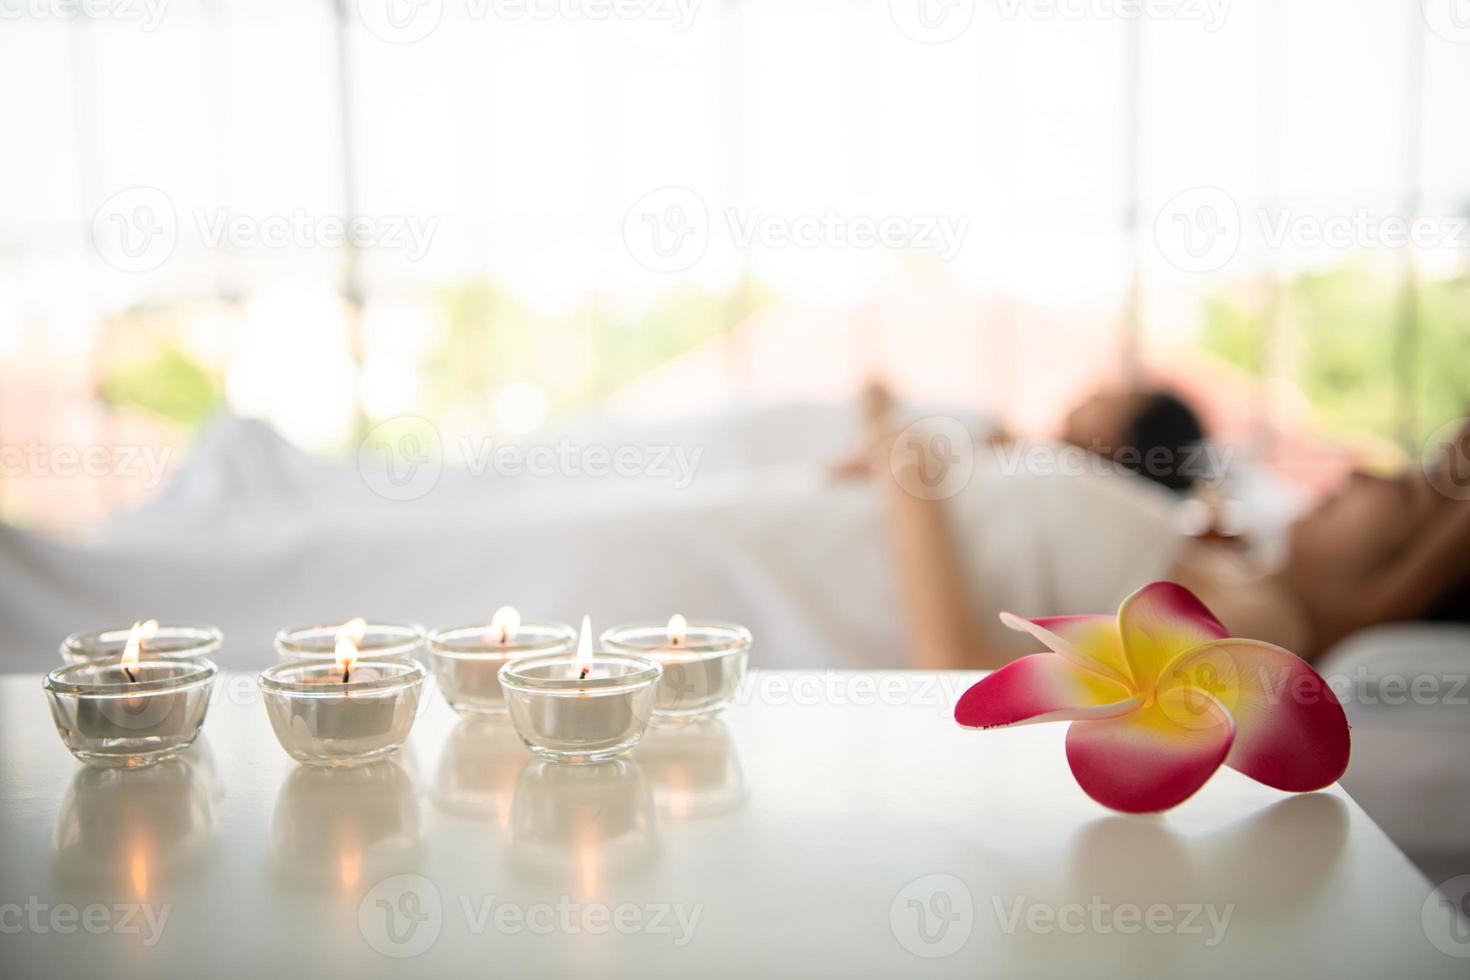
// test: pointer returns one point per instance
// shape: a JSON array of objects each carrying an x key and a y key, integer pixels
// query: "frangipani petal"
[
  {"x": 1146, "y": 761},
  {"x": 1158, "y": 623},
  {"x": 1042, "y": 687},
  {"x": 1091, "y": 641},
  {"x": 1291, "y": 731}
]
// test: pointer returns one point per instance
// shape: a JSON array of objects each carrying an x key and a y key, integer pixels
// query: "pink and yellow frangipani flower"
[{"x": 1161, "y": 696}]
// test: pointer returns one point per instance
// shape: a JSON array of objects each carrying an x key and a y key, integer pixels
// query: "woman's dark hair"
[
  {"x": 1453, "y": 606},
  {"x": 1164, "y": 441}
]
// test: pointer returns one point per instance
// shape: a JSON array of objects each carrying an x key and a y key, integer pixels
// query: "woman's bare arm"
[
  {"x": 934, "y": 589},
  {"x": 1435, "y": 562}
]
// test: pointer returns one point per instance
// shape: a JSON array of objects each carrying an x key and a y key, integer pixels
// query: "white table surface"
[{"x": 799, "y": 829}]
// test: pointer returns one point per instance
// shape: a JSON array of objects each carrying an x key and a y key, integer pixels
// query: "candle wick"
[
  {"x": 346, "y": 673},
  {"x": 128, "y": 673},
  {"x": 584, "y": 673}
]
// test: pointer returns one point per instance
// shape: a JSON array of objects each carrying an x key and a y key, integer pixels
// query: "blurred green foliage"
[
  {"x": 170, "y": 384},
  {"x": 1341, "y": 330},
  {"x": 577, "y": 357}
]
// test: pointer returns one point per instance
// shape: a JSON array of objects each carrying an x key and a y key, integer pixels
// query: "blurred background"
[{"x": 504, "y": 214}]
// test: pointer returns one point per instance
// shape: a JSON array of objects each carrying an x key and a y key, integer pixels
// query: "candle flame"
[
  {"x": 140, "y": 633},
  {"x": 584, "y": 647},
  {"x": 677, "y": 629},
  {"x": 504, "y": 624},
  {"x": 349, "y": 635}
]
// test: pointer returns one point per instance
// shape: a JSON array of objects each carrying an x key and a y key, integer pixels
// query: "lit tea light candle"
[
  {"x": 374, "y": 640},
  {"x": 466, "y": 660},
  {"x": 581, "y": 708},
  {"x": 503, "y": 626},
  {"x": 703, "y": 662},
  {"x": 345, "y": 712},
  {"x": 130, "y": 711},
  {"x": 166, "y": 641},
  {"x": 132, "y": 650}
]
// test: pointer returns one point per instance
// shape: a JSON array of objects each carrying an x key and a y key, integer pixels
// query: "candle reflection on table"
[
  {"x": 478, "y": 771},
  {"x": 693, "y": 769},
  {"x": 586, "y": 820},
  {"x": 127, "y": 834},
  {"x": 332, "y": 827}
]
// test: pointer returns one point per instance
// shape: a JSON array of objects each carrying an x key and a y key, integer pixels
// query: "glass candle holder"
[
  {"x": 321, "y": 721},
  {"x": 466, "y": 660},
  {"x": 114, "y": 717},
  {"x": 171, "y": 641},
  {"x": 380, "y": 641},
  {"x": 564, "y": 717},
  {"x": 701, "y": 671}
]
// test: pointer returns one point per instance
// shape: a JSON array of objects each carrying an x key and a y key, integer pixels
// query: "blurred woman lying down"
[{"x": 1375, "y": 550}]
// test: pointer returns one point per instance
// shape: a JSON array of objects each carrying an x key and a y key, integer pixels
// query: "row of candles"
[{"x": 344, "y": 694}]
